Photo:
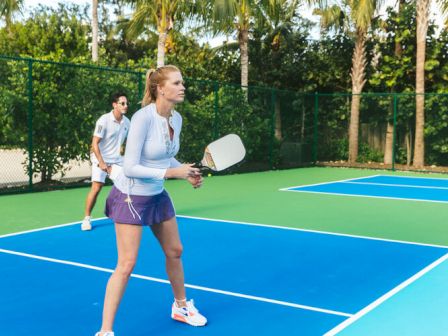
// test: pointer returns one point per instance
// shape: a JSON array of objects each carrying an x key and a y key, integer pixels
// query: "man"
[{"x": 110, "y": 132}]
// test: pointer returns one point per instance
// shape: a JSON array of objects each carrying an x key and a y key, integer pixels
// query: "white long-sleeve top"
[{"x": 149, "y": 152}]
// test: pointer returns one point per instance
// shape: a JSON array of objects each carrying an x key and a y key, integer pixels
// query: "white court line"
[
  {"x": 417, "y": 177},
  {"x": 385, "y": 297},
  {"x": 323, "y": 183},
  {"x": 250, "y": 224},
  {"x": 396, "y": 185},
  {"x": 315, "y": 231},
  {"x": 354, "y": 180},
  {"x": 205, "y": 289},
  {"x": 367, "y": 196},
  {"x": 47, "y": 228}
]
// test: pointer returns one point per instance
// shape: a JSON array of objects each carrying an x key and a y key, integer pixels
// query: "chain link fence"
[{"x": 48, "y": 111}]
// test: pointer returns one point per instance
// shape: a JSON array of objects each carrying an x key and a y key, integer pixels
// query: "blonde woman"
[{"x": 139, "y": 199}]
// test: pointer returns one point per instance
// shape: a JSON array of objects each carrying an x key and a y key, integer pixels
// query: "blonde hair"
[{"x": 155, "y": 77}]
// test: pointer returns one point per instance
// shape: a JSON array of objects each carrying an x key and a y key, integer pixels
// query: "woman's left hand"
[{"x": 195, "y": 181}]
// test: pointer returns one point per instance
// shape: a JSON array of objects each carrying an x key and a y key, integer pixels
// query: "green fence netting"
[{"x": 48, "y": 111}]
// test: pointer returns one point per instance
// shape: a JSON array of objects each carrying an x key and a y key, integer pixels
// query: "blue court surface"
[
  {"x": 383, "y": 186},
  {"x": 247, "y": 279}
]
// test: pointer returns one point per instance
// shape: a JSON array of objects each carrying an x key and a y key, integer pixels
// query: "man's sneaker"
[
  {"x": 188, "y": 314},
  {"x": 86, "y": 225},
  {"x": 105, "y": 333}
]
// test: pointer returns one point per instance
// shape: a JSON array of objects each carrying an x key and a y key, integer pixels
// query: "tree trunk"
[
  {"x": 243, "y": 42},
  {"x": 95, "y": 31},
  {"x": 358, "y": 80},
  {"x": 388, "y": 149},
  {"x": 161, "y": 48},
  {"x": 408, "y": 139},
  {"x": 302, "y": 126},
  {"x": 422, "y": 29}
]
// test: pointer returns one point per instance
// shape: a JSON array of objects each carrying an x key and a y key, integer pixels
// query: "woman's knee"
[
  {"x": 174, "y": 251},
  {"x": 125, "y": 267}
]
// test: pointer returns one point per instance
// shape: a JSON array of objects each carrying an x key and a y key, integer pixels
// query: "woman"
[{"x": 138, "y": 197}]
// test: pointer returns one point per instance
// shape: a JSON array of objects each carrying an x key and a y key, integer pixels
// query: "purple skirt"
[{"x": 139, "y": 210}]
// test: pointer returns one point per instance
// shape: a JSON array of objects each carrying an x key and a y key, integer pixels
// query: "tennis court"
[
  {"x": 257, "y": 260},
  {"x": 393, "y": 187}
]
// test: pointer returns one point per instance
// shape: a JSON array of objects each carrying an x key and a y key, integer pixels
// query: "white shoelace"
[{"x": 129, "y": 201}]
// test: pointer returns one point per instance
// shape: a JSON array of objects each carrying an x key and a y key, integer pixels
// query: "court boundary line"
[
  {"x": 321, "y": 183},
  {"x": 360, "y": 178},
  {"x": 318, "y": 232},
  {"x": 360, "y": 195},
  {"x": 248, "y": 224},
  {"x": 46, "y": 228},
  {"x": 164, "y": 281},
  {"x": 396, "y": 185},
  {"x": 365, "y": 196},
  {"x": 385, "y": 297},
  {"x": 415, "y": 177}
]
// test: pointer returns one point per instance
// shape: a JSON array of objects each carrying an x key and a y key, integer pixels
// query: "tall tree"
[
  {"x": 354, "y": 16},
  {"x": 422, "y": 30},
  {"x": 277, "y": 22},
  {"x": 231, "y": 15},
  {"x": 228, "y": 16},
  {"x": 158, "y": 15},
  {"x": 7, "y": 10},
  {"x": 95, "y": 30}
]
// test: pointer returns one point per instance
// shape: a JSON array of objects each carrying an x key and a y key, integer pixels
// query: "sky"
[
  {"x": 33, "y": 3},
  {"x": 306, "y": 12}
]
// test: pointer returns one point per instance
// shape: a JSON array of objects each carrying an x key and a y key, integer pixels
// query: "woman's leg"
[
  {"x": 167, "y": 234},
  {"x": 128, "y": 242}
]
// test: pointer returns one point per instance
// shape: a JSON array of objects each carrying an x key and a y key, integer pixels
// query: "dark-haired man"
[{"x": 111, "y": 130}]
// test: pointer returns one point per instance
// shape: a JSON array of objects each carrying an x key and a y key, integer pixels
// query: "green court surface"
[{"x": 255, "y": 198}]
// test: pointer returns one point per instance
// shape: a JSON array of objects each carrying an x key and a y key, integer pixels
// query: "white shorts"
[{"x": 98, "y": 175}]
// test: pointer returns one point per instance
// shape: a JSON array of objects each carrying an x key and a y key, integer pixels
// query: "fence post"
[
  {"x": 215, "y": 110},
  {"x": 30, "y": 124},
  {"x": 394, "y": 132},
  {"x": 272, "y": 137},
  {"x": 315, "y": 134},
  {"x": 140, "y": 86}
]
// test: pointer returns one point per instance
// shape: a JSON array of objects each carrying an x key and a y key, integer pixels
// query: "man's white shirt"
[{"x": 113, "y": 134}]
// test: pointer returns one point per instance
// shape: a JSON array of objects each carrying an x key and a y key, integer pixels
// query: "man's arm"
[{"x": 96, "y": 150}]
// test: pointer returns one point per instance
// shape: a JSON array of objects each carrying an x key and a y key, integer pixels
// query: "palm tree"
[
  {"x": 422, "y": 29},
  {"x": 231, "y": 15},
  {"x": 7, "y": 10},
  {"x": 158, "y": 14},
  {"x": 388, "y": 147},
  {"x": 277, "y": 21},
  {"x": 359, "y": 15},
  {"x": 95, "y": 30}
]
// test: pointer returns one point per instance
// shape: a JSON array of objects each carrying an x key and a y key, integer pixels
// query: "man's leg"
[
  {"x": 98, "y": 179},
  {"x": 90, "y": 203}
]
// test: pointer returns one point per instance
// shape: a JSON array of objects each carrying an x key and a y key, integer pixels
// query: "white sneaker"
[
  {"x": 188, "y": 314},
  {"x": 105, "y": 333},
  {"x": 86, "y": 225}
]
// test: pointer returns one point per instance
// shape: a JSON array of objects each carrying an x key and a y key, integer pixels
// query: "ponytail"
[
  {"x": 155, "y": 77},
  {"x": 150, "y": 93}
]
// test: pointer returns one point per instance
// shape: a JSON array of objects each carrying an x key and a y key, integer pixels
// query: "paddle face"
[{"x": 223, "y": 153}]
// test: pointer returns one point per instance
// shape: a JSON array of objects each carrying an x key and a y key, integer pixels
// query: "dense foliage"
[{"x": 286, "y": 68}]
